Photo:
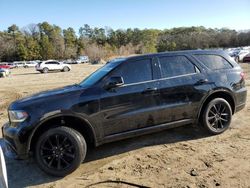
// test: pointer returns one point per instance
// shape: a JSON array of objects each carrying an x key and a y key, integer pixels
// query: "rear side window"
[
  {"x": 214, "y": 62},
  {"x": 134, "y": 72},
  {"x": 175, "y": 66}
]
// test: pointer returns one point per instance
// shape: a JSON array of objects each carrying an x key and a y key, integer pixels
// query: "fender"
[
  {"x": 55, "y": 115},
  {"x": 224, "y": 90}
]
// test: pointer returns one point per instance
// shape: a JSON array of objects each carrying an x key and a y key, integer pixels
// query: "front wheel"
[
  {"x": 60, "y": 151},
  {"x": 66, "y": 69},
  {"x": 217, "y": 116},
  {"x": 45, "y": 70}
]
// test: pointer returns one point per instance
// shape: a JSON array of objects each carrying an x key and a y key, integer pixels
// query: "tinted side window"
[
  {"x": 214, "y": 62},
  {"x": 137, "y": 71},
  {"x": 176, "y": 66}
]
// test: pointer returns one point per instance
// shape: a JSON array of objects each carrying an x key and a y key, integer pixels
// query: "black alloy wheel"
[
  {"x": 60, "y": 151},
  {"x": 217, "y": 116}
]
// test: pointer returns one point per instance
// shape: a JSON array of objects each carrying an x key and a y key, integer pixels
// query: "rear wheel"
[
  {"x": 217, "y": 116},
  {"x": 60, "y": 151},
  {"x": 45, "y": 70}
]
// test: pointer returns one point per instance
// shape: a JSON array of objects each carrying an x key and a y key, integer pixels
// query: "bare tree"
[{"x": 31, "y": 30}]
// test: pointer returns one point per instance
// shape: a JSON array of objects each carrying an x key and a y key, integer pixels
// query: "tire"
[
  {"x": 217, "y": 116},
  {"x": 60, "y": 151},
  {"x": 45, "y": 70},
  {"x": 66, "y": 69}
]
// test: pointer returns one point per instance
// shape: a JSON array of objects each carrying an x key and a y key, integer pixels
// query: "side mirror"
[{"x": 115, "y": 81}]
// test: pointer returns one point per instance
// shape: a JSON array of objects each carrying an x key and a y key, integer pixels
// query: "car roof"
[
  {"x": 50, "y": 60},
  {"x": 183, "y": 52}
]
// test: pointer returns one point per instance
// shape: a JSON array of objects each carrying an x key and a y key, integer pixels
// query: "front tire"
[
  {"x": 66, "y": 69},
  {"x": 217, "y": 116},
  {"x": 60, "y": 151}
]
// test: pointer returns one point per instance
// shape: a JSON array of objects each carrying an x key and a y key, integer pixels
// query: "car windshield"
[{"x": 100, "y": 73}]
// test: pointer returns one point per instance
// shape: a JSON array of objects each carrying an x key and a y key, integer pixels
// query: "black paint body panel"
[{"x": 130, "y": 109}]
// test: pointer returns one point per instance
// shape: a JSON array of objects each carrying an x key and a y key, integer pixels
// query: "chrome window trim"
[{"x": 183, "y": 75}]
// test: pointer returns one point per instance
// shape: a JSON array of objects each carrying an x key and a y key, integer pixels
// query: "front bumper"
[
  {"x": 8, "y": 149},
  {"x": 11, "y": 143}
]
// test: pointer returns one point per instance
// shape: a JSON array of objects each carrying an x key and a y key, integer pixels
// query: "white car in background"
[
  {"x": 18, "y": 64},
  {"x": 82, "y": 59},
  {"x": 241, "y": 55},
  {"x": 30, "y": 64},
  {"x": 52, "y": 65}
]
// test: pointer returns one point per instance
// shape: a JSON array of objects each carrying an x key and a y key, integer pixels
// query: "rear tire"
[
  {"x": 217, "y": 116},
  {"x": 45, "y": 70},
  {"x": 60, "y": 151}
]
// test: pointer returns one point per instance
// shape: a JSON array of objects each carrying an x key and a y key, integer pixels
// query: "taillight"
[{"x": 243, "y": 75}]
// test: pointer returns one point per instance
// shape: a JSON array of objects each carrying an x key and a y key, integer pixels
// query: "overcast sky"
[{"x": 160, "y": 14}]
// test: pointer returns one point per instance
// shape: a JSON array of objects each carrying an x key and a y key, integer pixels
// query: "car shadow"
[
  {"x": 23, "y": 74},
  {"x": 26, "y": 173}
]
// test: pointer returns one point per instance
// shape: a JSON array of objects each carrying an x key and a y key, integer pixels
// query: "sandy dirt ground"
[{"x": 182, "y": 157}]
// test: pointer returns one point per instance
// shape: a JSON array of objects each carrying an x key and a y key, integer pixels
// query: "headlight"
[{"x": 17, "y": 115}]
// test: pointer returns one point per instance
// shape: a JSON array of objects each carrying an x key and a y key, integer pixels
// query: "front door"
[{"x": 133, "y": 105}]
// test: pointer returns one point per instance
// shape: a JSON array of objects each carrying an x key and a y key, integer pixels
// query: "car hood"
[{"x": 47, "y": 94}]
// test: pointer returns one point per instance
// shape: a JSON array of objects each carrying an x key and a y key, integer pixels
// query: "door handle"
[
  {"x": 201, "y": 81},
  {"x": 149, "y": 90}
]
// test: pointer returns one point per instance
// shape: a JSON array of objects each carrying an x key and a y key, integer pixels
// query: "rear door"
[
  {"x": 182, "y": 86},
  {"x": 133, "y": 105}
]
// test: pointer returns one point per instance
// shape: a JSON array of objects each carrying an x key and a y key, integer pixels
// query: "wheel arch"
[
  {"x": 218, "y": 94},
  {"x": 75, "y": 122}
]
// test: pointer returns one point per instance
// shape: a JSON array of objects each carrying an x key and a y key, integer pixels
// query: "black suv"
[{"x": 125, "y": 98}]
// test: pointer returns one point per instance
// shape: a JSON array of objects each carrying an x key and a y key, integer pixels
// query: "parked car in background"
[
  {"x": 233, "y": 52},
  {"x": 52, "y": 65},
  {"x": 246, "y": 58},
  {"x": 246, "y": 48},
  {"x": 239, "y": 57},
  {"x": 30, "y": 64},
  {"x": 70, "y": 61},
  {"x": 4, "y": 66},
  {"x": 83, "y": 59},
  {"x": 4, "y": 72},
  {"x": 12, "y": 65},
  {"x": 19, "y": 64},
  {"x": 125, "y": 98}
]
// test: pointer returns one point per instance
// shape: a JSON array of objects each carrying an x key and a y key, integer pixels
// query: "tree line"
[{"x": 46, "y": 41}]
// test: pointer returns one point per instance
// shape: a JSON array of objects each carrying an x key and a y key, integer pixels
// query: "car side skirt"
[{"x": 146, "y": 130}]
